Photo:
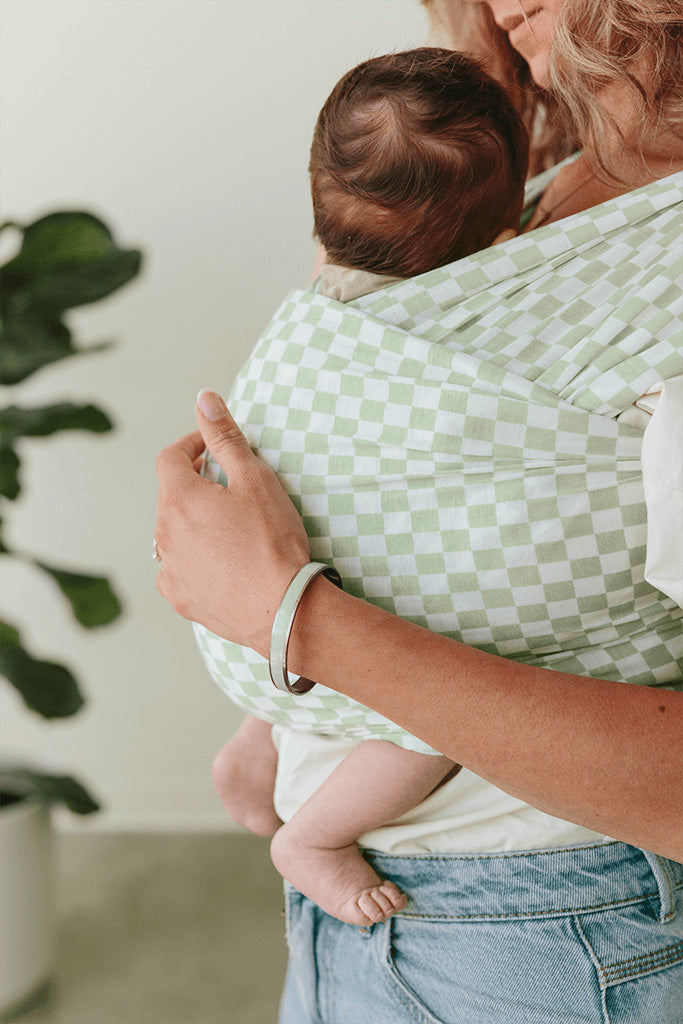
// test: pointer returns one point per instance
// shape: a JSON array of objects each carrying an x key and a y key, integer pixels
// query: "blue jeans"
[{"x": 578, "y": 935}]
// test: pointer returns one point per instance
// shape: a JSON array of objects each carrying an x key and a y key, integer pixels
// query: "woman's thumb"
[{"x": 222, "y": 436}]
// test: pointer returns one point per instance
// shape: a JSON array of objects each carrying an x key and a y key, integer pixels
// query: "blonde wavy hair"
[{"x": 637, "y": 43}]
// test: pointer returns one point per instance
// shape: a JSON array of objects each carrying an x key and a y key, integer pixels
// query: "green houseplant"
[{"x": 65, "y": 260}]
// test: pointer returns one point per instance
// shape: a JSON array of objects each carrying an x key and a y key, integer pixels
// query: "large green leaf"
[
  {"x": 50, "y": 419},
  {"x": 73, "y": 286},
  {"x": 10, "y": 484},
  {"x": 92, "y": 599},
  {"x": 29, "y": 340},
  {"x": 46, "y": 687},
  {"x": 51, "y": 789},
  {"x": 60, "y": 239},
  {"x": 67, "y": 259}
]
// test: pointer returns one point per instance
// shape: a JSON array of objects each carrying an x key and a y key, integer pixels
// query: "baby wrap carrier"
[{"x": 451, "y": 442}]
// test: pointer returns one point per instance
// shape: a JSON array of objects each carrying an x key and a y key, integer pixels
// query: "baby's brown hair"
[{"x": 418, "y": 158}]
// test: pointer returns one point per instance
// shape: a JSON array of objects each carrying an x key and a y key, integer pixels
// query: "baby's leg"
[
  {"x": 243, "y": 773},
  {"x": 317, "y": 850}
]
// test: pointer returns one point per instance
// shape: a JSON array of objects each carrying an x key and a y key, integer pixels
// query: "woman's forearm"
[
  {"x": 605, "y": 755},
  {"x": 601, "y": 754}
]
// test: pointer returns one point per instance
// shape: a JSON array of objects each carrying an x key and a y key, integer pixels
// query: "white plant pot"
[{"x": 27, "y": 919}]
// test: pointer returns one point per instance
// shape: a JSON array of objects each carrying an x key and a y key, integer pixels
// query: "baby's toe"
[
  {"x": 377, "y": 904},
  {"x": 371, "y": 907},
  {"x": 393, "y": 894}
]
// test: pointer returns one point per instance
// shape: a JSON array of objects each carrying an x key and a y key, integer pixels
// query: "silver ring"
[{"x": 155, "y": 550}]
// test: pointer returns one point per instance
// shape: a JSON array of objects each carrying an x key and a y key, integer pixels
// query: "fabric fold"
[{"x": 452, "y": 442}]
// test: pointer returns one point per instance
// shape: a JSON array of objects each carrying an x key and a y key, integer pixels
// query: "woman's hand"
[{"x": 227, "y": 554}]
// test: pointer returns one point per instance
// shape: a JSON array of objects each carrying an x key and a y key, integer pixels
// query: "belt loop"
[{"x": 665, "y": 884}]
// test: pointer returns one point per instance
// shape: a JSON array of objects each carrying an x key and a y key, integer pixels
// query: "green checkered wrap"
[{"x": 451, "y": 442}]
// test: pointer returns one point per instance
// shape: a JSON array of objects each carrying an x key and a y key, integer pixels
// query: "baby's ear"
[{"x": 504, "y": 236}]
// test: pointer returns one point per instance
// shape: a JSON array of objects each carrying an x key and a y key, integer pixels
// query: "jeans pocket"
[
  {"x": 408, "y": 966},
  {"x": 639, "y": 963},
  {"x": 530, "y": 971}
]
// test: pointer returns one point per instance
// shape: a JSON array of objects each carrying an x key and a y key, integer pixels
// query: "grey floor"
[{"x": 166, "y": 930}]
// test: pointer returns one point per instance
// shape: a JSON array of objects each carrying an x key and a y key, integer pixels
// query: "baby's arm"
[{"x": 244, "y": 772}]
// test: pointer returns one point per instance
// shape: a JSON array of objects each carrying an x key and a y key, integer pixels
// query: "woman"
[{"x": 601, "y": 754}]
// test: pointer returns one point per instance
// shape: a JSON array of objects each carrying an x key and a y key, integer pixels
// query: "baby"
[{"x": 418, "y": 159}]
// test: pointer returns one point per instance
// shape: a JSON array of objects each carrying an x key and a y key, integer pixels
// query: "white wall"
[{"x": 186, "y": 125}]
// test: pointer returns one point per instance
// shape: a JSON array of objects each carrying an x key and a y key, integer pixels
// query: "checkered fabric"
[{"x": 451, "y": 442}]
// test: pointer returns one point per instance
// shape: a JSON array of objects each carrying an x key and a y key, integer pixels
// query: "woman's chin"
[{"x": 539, "y": 66}]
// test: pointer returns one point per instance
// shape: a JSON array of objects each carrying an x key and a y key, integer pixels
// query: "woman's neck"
[
  {"x": 633, "y": 152},
  {"x": 580, "y": 185},
  {"x": 639, "y": 142}
]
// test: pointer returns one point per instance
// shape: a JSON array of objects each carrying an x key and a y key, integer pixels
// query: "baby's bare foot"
[
  {"x": 376, "y": 904},
  {"x": 339, "y": 880}
]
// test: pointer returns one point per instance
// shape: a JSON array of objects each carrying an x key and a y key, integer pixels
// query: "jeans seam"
[
  {"x": 506, "y": 855},
  {"x": 548, "y": 912},
  {"x": 602, "y": 984},
  {"x": 644, "y": 964},
  {"x": 669, "y": 884},
  {"x": 673, "y": 950},
  {"x": 410, "y": 1007}
]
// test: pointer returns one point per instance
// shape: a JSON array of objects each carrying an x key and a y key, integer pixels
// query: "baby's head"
[{"x": 418, "y": 158}]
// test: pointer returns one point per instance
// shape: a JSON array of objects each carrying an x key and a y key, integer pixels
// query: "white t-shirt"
[{"x": 466, "y": 815}]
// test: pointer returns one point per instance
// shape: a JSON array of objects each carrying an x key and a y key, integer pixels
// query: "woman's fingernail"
[{"x": 211, "y": 404}]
